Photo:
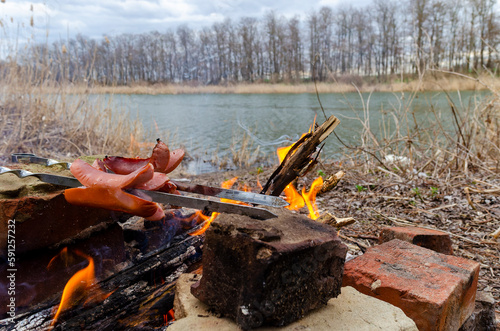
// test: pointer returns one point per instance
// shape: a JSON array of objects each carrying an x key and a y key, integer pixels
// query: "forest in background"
[{"x": 385, "y": 39}]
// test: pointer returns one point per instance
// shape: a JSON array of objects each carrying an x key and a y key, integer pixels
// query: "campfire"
[{"x": 128, "y": 232}]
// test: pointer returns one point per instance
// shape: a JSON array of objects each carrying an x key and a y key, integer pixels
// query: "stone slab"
[{"x": 351, "y": 310}]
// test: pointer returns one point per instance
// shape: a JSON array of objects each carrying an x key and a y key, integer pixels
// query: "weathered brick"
[
  {"x": 432, "y": 239},
  {"x": 43, "y": 221},
  {"x": 436, "y": 290}
]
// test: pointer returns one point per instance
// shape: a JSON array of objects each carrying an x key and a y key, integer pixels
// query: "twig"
[
  {"x": 395, "y": 198},
  {"x": 442, "y": 207},
  {"x": 467, "y": 195},
  {"x": 389, "y": 172},
  {"x": 363, "y": 236},
  {"x": 496, "y": 234},
  {"x": 361, "y": 246},
  {"x": 487, "y": 191}
]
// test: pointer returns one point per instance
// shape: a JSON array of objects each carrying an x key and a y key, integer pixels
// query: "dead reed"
[
  {"x": 432, "y": 83},
  {"x": 405, "y": 145},
  {"x": 39, "y": 115}
]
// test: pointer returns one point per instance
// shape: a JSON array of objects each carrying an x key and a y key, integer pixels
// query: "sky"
[{"x": 58, "y": 19}]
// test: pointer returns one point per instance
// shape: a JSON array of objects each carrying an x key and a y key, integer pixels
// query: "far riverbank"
[{"x": 443, "y": 83}]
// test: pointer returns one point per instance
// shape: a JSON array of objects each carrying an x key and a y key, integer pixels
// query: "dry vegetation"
[
  {"x": 437, "y": 82},
  {"x": 42, "y": 117}
]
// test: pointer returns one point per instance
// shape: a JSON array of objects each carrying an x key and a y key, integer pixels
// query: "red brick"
[
  {"x": 436, "y": 290},
  {"x": 42, "y": 221},
  {"x": 432, "y": 239}
]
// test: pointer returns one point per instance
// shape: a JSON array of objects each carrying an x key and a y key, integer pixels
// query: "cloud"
[{"x": 95, "y": 18}]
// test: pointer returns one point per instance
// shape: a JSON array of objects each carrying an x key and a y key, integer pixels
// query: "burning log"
[
  {"x": 140, "y": 295},
  {"x": 300, "y": 157},
  {"x": 272, "y": 272}
]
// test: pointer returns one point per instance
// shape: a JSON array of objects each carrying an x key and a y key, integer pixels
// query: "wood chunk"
[
  {"x": 141, "y": 295},
  {"x": 331, "y": 182},
  {"x": 299, "y": 158},
  {"x": 269, "y": 272}
]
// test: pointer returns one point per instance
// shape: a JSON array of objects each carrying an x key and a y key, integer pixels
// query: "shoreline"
[{"x": 426, "y": 85}]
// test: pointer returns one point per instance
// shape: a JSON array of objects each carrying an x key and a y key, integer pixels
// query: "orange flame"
[
  {"x": 209, "y": 219},
  {"x": 169, "y": 317},
  {"x": 79, "y": 284},
  {"x": 310, "y": 197},
  {"x": 293, "y": 197}
]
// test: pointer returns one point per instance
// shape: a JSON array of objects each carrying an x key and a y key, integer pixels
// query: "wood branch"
[
  {"x": 141, "y": 295},
  {"x": 331, "y": 182},
  {"x": 300, "y": 157},
  {"x": 337, "y": 222}
]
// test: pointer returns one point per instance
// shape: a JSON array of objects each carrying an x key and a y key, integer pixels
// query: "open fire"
[
  {"x": 116, "y": 183},
  {"x": 296, "y": 200},
  {"x": 84, "y": 279},
  {"x": 82, "y": 286}
]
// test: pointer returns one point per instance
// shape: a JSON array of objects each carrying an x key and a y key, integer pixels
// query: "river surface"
[{"x": 215, "y": 124}]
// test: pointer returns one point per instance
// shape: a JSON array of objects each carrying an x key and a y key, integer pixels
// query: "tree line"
[{"x": 380, "y": 40}]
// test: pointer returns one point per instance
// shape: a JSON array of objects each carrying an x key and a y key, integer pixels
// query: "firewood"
[
  {"x": 329, "y": 219},
  {"x": 140, "y": 296},
  {"x": 331, "y": 182},
  {"x": 300, "y": 158}
]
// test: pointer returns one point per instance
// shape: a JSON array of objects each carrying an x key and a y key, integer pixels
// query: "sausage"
[
  {"x": 114, "y": 199},
  {"x": 91, "y": 177}
]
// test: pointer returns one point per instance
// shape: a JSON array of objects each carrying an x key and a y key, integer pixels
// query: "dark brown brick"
[{"x": 269, "y": 272}]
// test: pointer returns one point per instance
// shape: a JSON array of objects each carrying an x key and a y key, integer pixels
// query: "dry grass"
[
  {"x": 42, "y": 117},
  {"x": 438, "y": 82},
  {"x": 407, "y": 145}
]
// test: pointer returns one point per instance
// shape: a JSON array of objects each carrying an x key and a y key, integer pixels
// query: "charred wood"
[
  {"x": 300, "y": 158},
  {"x": 141, "y": 295}
]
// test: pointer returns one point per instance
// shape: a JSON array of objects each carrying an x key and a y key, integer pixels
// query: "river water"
[{"x": 209, "y": 124}]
